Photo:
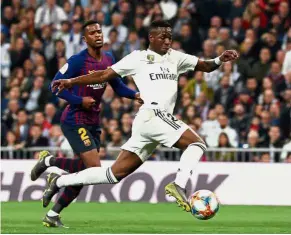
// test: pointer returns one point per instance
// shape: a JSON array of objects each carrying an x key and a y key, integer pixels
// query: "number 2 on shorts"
[{"x": 83, "y": 133}]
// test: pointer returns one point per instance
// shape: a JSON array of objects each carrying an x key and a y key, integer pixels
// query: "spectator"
[
  {"x": 208, "y": 127},
  {"x": 223, "y": 142},
  {"x": 285, "y": 123},
  {"x": 10, "y": 114},
  {"x": 287, "y": 64},
  {"x": 13, "y": 149},
  {"x": 52, "y": 116},
  {"x": 103, "y": 155},
  {"x": 285, "y": 84},
  {"x": 126, "y": 123},
  {"x": 213, "y": 35},
  {"x": 225, "y": 94},
  {"x": 37, "y": 96},
  {"x": 64, "y": 30},
  {"x": 268, "y": 99},
  {"x": 228, "y": 69},
  {"x": 189, "y": 114},
  {"x": 270, "y": 41},
  {"x": 57, "y": 139},
  {"x": 21, "y": 127},
  {"x": 117, "y": 141},
  {"x": 237, "y": 31},
  {"x": 202, "y": 105},
  {"x": 197, "y": 85},
  {"x": 245, "y": 99},
  {"x": 274, "y": 141},
  {"x": 240, "y": 122},
  {"x": 35, "y": 43},
  {"x": 190, "y": 42},
  {"x": 275, "y": 114},
  {"x": 225, "y": 40},
  {"x": 265, "y": 157},
  {"x": 49, "y": 13},
  {"x": 264, "y": 126},
  {"x": 5, "y": 57},
  {"x": 9, "y": 17},
  {"x": 117, "y": 24},
  {"x": 230, "y": 132},
  {"x": 74, "y": 41},
  {"x": 275, "y": 73},
  {"x": 35, "y": 139},
  {"x": 252, "y": 142},
  {"x": 262, "y": 67},
  {"x": 133, "y": 43},
  {"x": 18, "y": 53},
  {"x": 59, "y": 53},
  {"x": 184, "y": 17},
  {"x": 252, "y": 86},
  {"x": 47, "y": 38},
  {"x": 208, "y": 49},
  {"x": 284, "y": 14},
  {"x": 236, "y": 9},
  {"x": 40, "y": 120}
]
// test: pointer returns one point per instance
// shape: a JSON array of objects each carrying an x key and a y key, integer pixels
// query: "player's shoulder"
[
  {"x": 110, "y": 55},
  {"x": 175, "y": 54},
  {"x": 79, "y": 57},
  {"x": 138, "y": 53}
]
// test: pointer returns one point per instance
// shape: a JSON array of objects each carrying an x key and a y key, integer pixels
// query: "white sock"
[
  {"x": 47, "y": 160},
  {"x": 51, "y": 213},
  {"x": 188, "y": 162},
  {"x": 92, "y": 175}
]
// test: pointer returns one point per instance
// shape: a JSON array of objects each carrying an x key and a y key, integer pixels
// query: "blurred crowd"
[{"x": 246, "y": 104}]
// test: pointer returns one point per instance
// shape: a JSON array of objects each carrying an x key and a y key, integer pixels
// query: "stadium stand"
[{"x": 243, "y": 105}]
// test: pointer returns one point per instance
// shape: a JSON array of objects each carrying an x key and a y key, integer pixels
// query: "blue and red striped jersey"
[{"x": 82, "y": 64}]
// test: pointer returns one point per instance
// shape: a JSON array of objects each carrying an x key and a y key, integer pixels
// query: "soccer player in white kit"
[{"x": 155, "y": 71}]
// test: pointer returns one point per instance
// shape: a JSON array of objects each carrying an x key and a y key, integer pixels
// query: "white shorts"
[{"x": 152, "y": 127}]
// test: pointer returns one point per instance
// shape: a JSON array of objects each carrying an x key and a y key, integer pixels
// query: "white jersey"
[{"x": 156, "y": 76}]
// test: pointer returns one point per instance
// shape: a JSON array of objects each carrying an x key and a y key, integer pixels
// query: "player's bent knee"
[
  {"x": 201, "y": 145},
  {"x": 120, "y": 176}
]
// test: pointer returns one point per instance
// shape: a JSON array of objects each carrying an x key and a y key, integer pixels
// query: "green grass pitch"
[{"x": 25, "y": 217}]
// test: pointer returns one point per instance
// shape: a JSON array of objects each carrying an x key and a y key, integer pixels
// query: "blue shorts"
[{"x": 82, "y": 138}]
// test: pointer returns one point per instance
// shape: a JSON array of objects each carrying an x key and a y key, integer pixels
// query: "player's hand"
[
  {"x": 88, "y": 102},
  {"x": 229, "y": 55},
  {"x": 61, "y": 84},
  {"x": 137, "y": 97}
]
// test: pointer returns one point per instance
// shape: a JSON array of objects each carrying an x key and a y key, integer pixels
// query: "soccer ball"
[{"x": 204, "y": 204}]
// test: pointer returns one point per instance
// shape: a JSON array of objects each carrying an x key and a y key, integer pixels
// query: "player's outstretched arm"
[
  {"x": 211, "y": 65},
  {"x": 93, "y": 78}
]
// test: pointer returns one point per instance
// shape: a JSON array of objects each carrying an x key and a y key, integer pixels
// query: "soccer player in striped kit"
[{"x": 80, "y": 121}]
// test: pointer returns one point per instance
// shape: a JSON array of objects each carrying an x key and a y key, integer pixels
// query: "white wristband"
[{"x": 217, "y": 61}]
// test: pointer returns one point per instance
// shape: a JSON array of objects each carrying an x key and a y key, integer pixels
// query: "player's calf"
[{"x": 194, "y": 147}]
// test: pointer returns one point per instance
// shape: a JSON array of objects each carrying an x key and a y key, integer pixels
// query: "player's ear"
[
  {"x": 151, "y": 37},
  {"x": 84, "y": 39}
]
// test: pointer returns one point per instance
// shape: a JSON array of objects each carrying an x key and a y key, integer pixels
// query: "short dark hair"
[
  {"x": 159, "y": 23},
  {"x": 89, "y": 22}
]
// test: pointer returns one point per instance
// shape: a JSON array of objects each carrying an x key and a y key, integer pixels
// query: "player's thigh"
[
  {"x": 83, "y": 143},
  {"x": 140, "y": 145},
  {"x": 126, "y": 163},
  {"x": 166, "y": 129}
]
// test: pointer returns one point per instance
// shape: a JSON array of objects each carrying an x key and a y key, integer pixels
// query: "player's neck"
[
  {"x": 95, "y": 53},
  {"x": 155, "y": 51}
]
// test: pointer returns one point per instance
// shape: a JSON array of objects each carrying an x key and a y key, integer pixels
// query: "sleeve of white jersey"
[
  {"x": 127, "y": 65},
  {"x": 186, "y": 62}
]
